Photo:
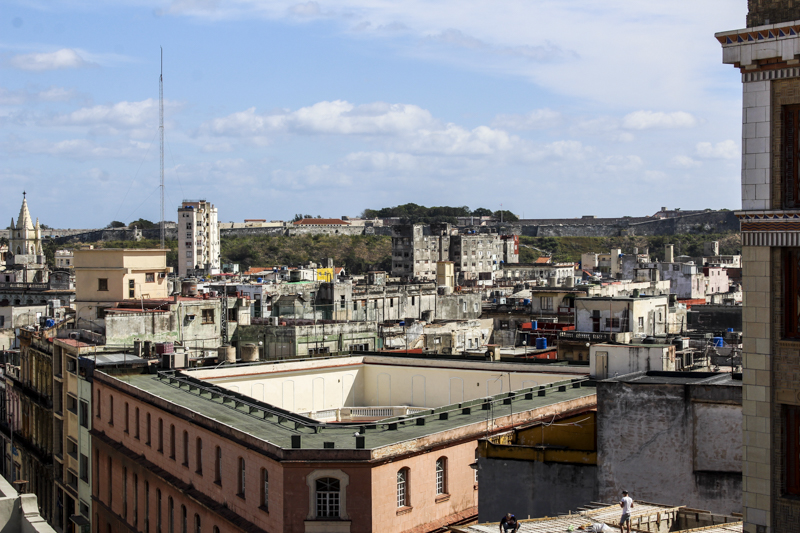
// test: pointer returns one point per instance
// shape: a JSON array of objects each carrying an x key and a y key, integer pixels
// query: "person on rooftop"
[
  {"x": 595, "y": 527},
  {"x": 509, "y": 523},
  {"x": 627, "y": 504}
]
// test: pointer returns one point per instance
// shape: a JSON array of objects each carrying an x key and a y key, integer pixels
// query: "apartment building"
[
  {"x": 198, "y": 239},
  {"x": 766, "y": 52},
  {"x": 106, "y": 276},
  {"x": 416, "y": 249}
]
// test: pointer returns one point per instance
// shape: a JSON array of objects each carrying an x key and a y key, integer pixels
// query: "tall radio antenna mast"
[{"x": 161, "y": 134}]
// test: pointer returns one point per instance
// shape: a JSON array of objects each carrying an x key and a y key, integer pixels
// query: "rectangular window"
[
  {"x": 792, "y": 448},
  {"x": 612, "y": 323},
  {"x": 102, "y": 284},
  {"x": 150, "y": 277},
  {"x": 789, "y": 156},
  {"x": 83, "y": 412},
  {"x": 208, "y": 316},
  {"x": 791, "y": 292},
  {"x": 641, "y": 322}
]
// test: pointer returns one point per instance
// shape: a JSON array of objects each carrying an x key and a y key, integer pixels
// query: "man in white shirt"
[
  {"x": 595, "y": 527},
  {"x": 627, "y": 504}
]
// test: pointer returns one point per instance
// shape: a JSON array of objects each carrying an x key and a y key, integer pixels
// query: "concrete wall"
[
  {"x": 314, "y": 388},
  {"x": 532, "y": 489},
  {"x": 628, "y": 358},
  {"x": 667, "y": 441}
]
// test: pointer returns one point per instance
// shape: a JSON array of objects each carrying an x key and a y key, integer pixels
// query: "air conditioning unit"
[{"x": 74, "y": 335}]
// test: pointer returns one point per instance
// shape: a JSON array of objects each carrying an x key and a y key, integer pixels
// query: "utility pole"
[{"x": 161, "y": 134}]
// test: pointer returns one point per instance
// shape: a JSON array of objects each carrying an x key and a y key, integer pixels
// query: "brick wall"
[{"x": 761, "y": 12}]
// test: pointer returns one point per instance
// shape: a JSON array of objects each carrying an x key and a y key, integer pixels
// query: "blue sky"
[{"x": 551, "y": 108}]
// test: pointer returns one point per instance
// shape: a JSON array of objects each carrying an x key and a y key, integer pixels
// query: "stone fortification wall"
[
  {"x": 116, "y": 234},
  {"x": 704, "y": 222}
]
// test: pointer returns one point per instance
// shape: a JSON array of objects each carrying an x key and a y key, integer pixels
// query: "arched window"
[
  {"x": 441, "y": 475},
  {"x": 197, "y": 527},
  {"x": 147, "y": 433},
  {"x": 172, "y": 441},
  {"x": 184, "y": 520},
  {"x": 218, "y": 466},
  {"x": 110, "y": 410},
  {"x": 327, "y": 492},
  {"x": 402, "y": 488},
  {"x": 161, "y": 435},
  {"x": 241, "y": 477},
  {"x": 186, "y": 449},
  {"x": 199, "y": 455},
  {"x": 264, "y": 489},
  {"x": 136, "y": 424},
  {"x": 216, "y": 529}
]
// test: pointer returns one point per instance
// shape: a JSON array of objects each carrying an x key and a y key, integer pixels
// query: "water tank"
[
  {"x": 534, "y": 324},
  {"x": 541, "y": 343},
  {"x": 226, "y": 353},
  {"x": 189, "y": 288},
  {"x": 260, "y": 280},
  {"x": 526, "y": 301},
  {"x": 552, "y": 281},
  {"x": 717, "y": 342},
  {"x": 49, "y": 323},
  {"x": 570, "y": 281},
  {"x": 249, "y": 353}
]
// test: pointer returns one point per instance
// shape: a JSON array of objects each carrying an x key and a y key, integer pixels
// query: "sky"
[{"x": 547, "y": 108}]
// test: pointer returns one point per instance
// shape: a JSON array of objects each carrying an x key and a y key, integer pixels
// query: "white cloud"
[
  {"x": 644, "y": 120},
  {"x": 210, "y": 148},
  {"x": 538, "y": 119},
  {"x": 80, "y": 149},
  {"x": 26, "y": 96},
  {"x": 308, "y": 9},
  {"x": 722, "y": 150},
  {"x": 683, "y": 161},
  {"x": 60, "y": 59},
  {"x": 334, "y": 118}
]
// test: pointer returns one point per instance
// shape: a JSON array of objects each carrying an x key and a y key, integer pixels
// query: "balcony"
[{"x": 594, "y": 337}]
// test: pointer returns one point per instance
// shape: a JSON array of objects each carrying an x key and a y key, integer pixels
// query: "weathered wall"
[
  {"x": 533, "y": 488},
  {"x": 655, "y": 440},
  {"x": 762, "y": 12}
]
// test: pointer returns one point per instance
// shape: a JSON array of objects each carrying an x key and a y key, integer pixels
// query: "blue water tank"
[
  {"x": 49, "y": 323},
  {"x": 259, "y": 280},
  {"x": 717, "y": 342},
  {"x": 541, "y": 343},
  {"x": 526, "y": 301},
  {"x": 730, "y": 330},
  {"x": 494, "y": 300},
  {"x": 402, "y": 322},
  {"x": 534, "y": 324}
]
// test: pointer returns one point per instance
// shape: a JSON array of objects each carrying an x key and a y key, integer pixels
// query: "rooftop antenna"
[{"x": 161, "y": 134}]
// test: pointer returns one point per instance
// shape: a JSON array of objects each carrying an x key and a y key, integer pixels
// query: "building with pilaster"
[{"x": 767, "y": 52}]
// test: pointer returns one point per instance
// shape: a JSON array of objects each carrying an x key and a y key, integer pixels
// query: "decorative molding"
[
  {"x": 771, "y": 238},
  {"x": 759, "y": 33},
  {"x": 776, "y": 74}
]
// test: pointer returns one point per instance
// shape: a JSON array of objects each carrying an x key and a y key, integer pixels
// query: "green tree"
[
  {"x": 143, "y": 224},
  {"x": 507, "y": 215},
  {"x": 482, "y": 212},
  {"x": 115, "y": 224}
]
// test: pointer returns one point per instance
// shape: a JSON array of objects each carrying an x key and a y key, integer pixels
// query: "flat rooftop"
[
  {"x": 681, "y": 378},
  {"x": 609, "y": 515},
  {"x": 276, "y": 425}
]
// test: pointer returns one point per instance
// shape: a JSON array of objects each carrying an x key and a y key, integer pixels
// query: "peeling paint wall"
[{"x": 671, "y": 442}]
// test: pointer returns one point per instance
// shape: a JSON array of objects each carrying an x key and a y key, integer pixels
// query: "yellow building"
[
  {"x": 106, "y": 276},
  {"x": 444, "y": 274},
  {"x": 325, "y": 274}
]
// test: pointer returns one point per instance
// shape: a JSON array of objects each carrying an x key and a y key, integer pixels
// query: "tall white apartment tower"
[{"x": 198, "y": 239}]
